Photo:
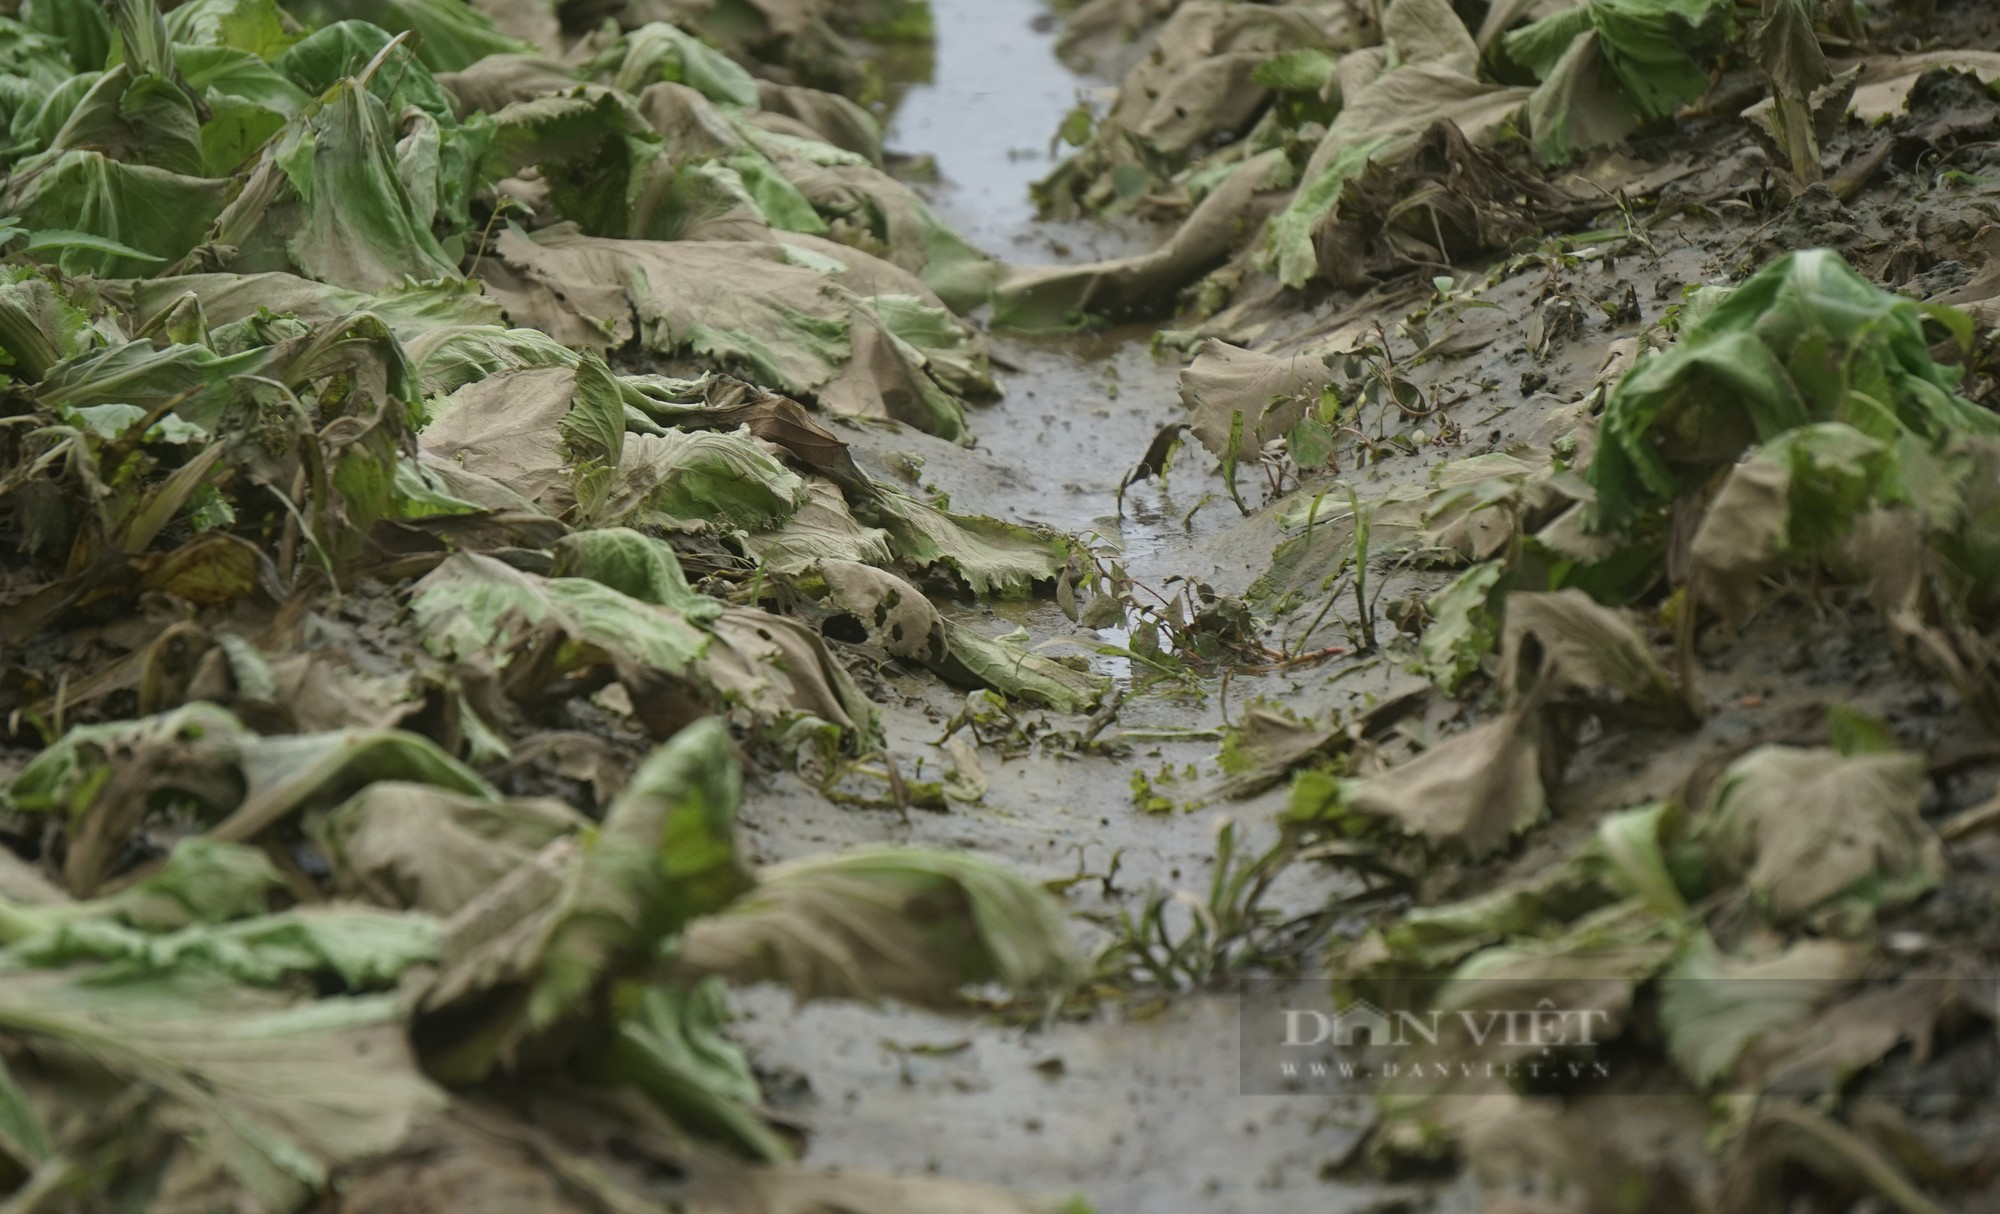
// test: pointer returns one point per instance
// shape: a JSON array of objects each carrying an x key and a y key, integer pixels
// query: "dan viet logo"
[
  {"x": 1360, "y": 1023},
  {"x": 1294, "y": 1035}
]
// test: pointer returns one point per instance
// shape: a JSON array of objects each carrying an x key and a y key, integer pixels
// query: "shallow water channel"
[{"x": 1138, "y": 1108}]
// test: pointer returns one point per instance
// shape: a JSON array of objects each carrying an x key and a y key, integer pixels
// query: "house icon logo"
[{"x": 1362, "y": 1023}]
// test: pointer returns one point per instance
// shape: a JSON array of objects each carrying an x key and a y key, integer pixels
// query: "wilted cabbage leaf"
[
  {"x": 1608, "y": 66},
  {"x": 774, "y": 312},
  {"x": 1758, "y": 365},
  {"x": 526, "y": 954},
  {"x": 898, "y": 922},
  {"x": 278, "y": 1093},
  {"x": 421, "y": 847},
  {"x": 1471, "y": 791},
  {"x": 541, "y": 629},
  {"x": 1802, "y": 827}
]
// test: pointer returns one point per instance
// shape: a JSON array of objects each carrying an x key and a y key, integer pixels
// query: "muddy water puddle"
[{"x": 1137, "y": 1108}]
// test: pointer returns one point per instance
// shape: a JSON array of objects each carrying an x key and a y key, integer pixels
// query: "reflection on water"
[{"x": 985, "y": 102}]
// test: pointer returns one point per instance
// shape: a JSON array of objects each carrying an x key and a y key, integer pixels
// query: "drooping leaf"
[
  {"x": 160, "y": 213},
  {"x": 1471, "y": 791},
  {"x": 890, "y": 613},
  {"x": 670, "y": 1045},
  {"x": 824, "y": 528},
  {"x": 449, "y": 35},
  {"x": 1270, "y": 393},
  {"x": 1020, "y": 673},
  {"x": 364, "y": 947},
  {"x": 897, "y": 922},
  {"x": 633, "y": 564},
  {"x": 1053, "y": 298},
  {"x": 527, "y": 955},
  {"x": 329, "y": 198},
  {"x": 106, "y": 778},
  {"x": 420, "y": 847},
  {"x": 1462, "y": 631},
  {"x": 1567, "y": 645},
  {"x": 137, "y": 116},
  {"x": 1714, "y": 1006},
  {"x": 1581, "y": 104},
  {"x": 473, "y": 604},
  {"x": 253, "y": 26},
  {"x": 731, "y": 480},
  {"x": 767, "y": 667},
  {"x": 344, "y": 49},
  {"x": 1793, "y": 500},
  {"x": 1648, "y": 45},
  {"x": 992, "y": 556},
  {"x": 1802, "y": 827},
  {"x": 1759, "y": 365},
  {"x": 24, "y": 1140},
  {"x": 39, "y": 324},
  {"x": 776, "y": 313},
  {"x": 1789, "y": 53},
  {"x": 277, "y": 1094},
  {"x": 658, "y": 51}
]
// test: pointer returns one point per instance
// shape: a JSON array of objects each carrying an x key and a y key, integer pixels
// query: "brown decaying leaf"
[
  {"x": 1473, "y": 790},
  {"x": 1802, "y": 826},
  {"x": 1448, "y": 201},
  {"x": 1270, "y": 393}
]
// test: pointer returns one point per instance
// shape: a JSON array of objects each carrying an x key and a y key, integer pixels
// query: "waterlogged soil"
[{"x": 1137, "y": 1106}]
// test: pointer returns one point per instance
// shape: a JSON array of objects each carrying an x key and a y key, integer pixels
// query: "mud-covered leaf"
[
  {"x": 1210, "y": 70},
  {"x": 778, "y": 314},
  {"x": 1470, "y": 792},
  {"x": 1388, "y": 101},
  {"x": 1462, "y": 628},
  {"x": 1020, "y": 673},
  {"x": 511, "y": 427},
  {"x": 890, "y": 613},
  {"x": 896, "y": 922},
  {"x": 824, "y": 528},
  {"x": 541, "y": 629},
  {"x": 1802, "y": 827},
  {"x": 1793, "y": 499},
  {"x": 527, "y": 954},
  {"x": 1714, "y": 1006},
  {"x": 1567, "y": 645},
  {"x": 1580, "y": 105},
  {"x": 1883, "y": 90},
  {"x": 1068, "y": 297},
  {"x": 993, "y": 557},
  {"x": 278, "y": 1094},
  {"x": 1271, "y": 395},
  {"x": 419, "y": 847}
]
